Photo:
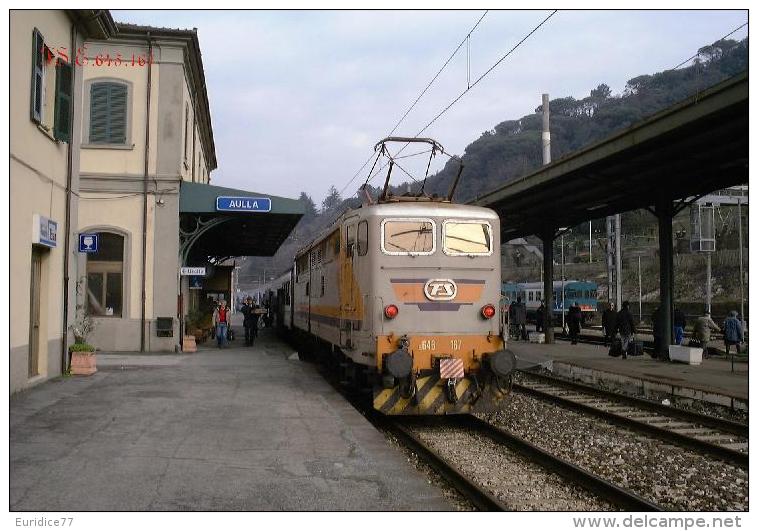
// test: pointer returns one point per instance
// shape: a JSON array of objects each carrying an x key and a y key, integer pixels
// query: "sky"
[{"x": 299, "y": 98}]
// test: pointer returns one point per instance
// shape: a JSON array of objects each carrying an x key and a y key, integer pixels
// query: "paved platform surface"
[
  {"x": 233, "y": 429},
  {"x": 713, "y": 375}
]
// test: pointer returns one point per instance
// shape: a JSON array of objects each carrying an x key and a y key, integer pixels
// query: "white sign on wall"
[
  {"x": 192, "y": 271},
  {"x": 44, "y": 231}
]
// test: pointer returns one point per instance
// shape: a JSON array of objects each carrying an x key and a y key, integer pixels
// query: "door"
[{"x": 34, "y": 311}]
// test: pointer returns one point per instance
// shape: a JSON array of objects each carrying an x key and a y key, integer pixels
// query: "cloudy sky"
[{"x": 298, "y": 98}]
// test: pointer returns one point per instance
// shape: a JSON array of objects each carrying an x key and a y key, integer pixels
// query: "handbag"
[{"x": 229, "y": 334}]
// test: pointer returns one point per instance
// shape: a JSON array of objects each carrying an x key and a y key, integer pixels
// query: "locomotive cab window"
[
  {"x": 466, "y": 238},
  {"x": 408, "y": 236}
]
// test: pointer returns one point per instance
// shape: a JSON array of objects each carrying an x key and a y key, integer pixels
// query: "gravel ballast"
[{"x": 673, "y": 477}]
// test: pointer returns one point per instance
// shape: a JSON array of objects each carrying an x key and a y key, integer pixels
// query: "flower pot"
[
  {"x": 189, "y": 345},
  {"x": 83, "y": 363}
]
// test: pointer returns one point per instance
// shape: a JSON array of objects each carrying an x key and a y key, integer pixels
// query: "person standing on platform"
[
  {"x": 574, "y": 319},
  {"x": 540, "y": 318},
  {"x": 702, "y": 331},
  {"x": 733, "y": 334},
  {"x": 625, "y": 326},
  {"x": 517, "y": 315},
  {"x": 610, "y": 316},
  {"x": 680, "y": 322},
  {"x": 250, "y": 321},
  {"x": 221, "y": 322}
]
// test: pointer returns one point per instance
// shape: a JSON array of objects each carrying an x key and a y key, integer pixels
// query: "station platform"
[
  {"x": 712, "y": 381},
  {"x": 238, "y": 429}
]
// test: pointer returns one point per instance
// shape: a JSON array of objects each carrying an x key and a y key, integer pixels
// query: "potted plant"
[{"x": 83, "y": 361}]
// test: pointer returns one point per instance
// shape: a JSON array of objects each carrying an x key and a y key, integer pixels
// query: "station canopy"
[
  {"x": 222, "y": 222},
  {"x": 693, "y": 148}
]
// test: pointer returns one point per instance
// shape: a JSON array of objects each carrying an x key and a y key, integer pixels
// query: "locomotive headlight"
[
  {"x": 488, "y": 311},
  {"x": 390, "y": 311}
]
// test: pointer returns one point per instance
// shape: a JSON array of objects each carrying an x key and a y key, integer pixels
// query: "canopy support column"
[{"x": 664, "y": 210}]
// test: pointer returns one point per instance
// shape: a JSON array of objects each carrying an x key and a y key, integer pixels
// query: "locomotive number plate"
[
  {"x": 444, "y": 344},
  {"x": 427, "y": 344}
]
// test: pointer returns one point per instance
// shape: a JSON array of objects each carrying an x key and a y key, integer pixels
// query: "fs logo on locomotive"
[{"x": 440, "y": 289}]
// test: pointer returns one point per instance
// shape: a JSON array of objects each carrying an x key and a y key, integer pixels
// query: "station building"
[
  {"x": 127, "y": 183},
  {"x": 45, "y": 109}
]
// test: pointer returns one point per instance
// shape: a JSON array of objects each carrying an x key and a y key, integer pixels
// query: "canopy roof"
[
  {"x": 692, "y": 148},
  {"x": 221, "y": 233}
]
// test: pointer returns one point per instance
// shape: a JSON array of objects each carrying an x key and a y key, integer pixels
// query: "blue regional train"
[{"x": 564, "y": 295}]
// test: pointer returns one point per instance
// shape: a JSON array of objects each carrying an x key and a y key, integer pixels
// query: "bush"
[{"x": 81, "y": 347}]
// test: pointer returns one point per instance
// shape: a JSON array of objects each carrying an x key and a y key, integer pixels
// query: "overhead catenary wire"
[
  {"x": 418, "y": 98},
  {"x": 476, "y": 82},
  {"x": 735, "y": 30}
]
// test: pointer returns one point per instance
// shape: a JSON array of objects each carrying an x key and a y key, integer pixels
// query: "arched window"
[
  {"x": 105, "y": 276},
  {"x": 108, "y": 112}
]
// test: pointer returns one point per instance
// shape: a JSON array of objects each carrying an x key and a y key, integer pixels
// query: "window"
[
  {"x": 323, "y": 285},
  {"x": 466, "y": 237},
  {"x": 38, "y": 75},
  {"x": 350, "y": 249},
  {"x": 64, "y": 75},
  {"x": 538, "y": 296},
  {"x": 105, "y": 276},
  {"x": 408, "y": 236},
  {"x": 531, "y": 296},
  {"x": 107, "y": 113},
  {"x": 363, "y": 238},
  {"x": 50, "y": 102}
]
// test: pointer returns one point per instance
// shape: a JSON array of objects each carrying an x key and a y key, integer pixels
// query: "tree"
[
  {"x": 310, "y": 206},
  {"x": 332, "y": 199}
]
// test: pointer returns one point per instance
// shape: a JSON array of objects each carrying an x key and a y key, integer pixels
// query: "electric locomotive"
[{"x": 402, "y": 296}]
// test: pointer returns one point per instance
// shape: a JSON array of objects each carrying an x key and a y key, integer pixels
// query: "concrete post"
[
  {"x": 665, "y": 212},
  {"x": 547, "y": 282},
  {"x": 546, "y": 129},
  {"x": 609, "y": 258}
]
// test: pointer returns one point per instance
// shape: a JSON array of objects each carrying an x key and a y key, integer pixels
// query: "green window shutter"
[
  {"x": 108, "y": 106},
  {"x": 38, "y": 59},
  {"x": 118, "y": 113},
  {"x": 64, "y": 75}
]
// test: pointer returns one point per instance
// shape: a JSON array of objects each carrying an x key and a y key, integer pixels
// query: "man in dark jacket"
[
  {"x": 250, "y": 322},
  {"x": 625, "y": 327},
  {"x": 540, "y": 318},
  {"x": 574, "y": 321},
  {"x": 610, "y": 315}
]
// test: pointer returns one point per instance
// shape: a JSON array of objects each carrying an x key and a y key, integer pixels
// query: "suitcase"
[
  {"x": 616, "y": 349},
  {"x": 635, "y": 348}
]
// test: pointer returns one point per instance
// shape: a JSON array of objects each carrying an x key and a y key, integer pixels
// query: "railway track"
[
  {"x": 481, "y": 498},
  {"x": 721, "y": 438}
]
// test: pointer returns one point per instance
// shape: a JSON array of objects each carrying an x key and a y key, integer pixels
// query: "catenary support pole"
[
  {"x": 609, "y": 258},
  {"x": 742, "y": 274},
  {"x": 548, "y": 236},
  {"x": 639, "y": 271},
  {"x": 546, "y": 129},
  {"x": 708, "y": 281},
  {"x": 618, "y": 261}
]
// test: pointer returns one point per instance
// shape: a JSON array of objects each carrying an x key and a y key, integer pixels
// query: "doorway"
[{"x": 34, "y": 311}]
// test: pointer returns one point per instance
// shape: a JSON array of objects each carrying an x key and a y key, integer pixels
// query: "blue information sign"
[
  {"x": 243, "y": 204},
  {"x": 88, "y": 242}
]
